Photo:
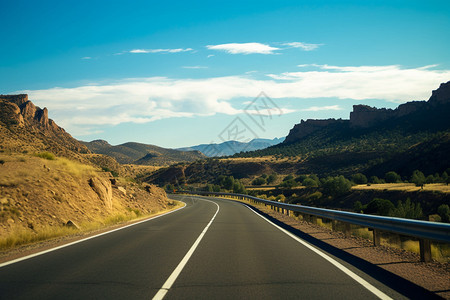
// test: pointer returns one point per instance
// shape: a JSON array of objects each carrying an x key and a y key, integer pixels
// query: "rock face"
[
  {"x": 307, "y": 127},
  {"x": 441, "y": 95},
  {"x": 30, "y": 129},
  {"x": 32, "y": 115},
  {"x": 364, "y": 116},
  {"x": 103, "y": 189}
]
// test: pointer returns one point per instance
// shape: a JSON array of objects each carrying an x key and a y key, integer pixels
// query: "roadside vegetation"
[{"x": 358, "y": 193}]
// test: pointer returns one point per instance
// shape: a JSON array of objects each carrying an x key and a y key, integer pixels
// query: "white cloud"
[
  {"x": 141, "y": 100},
  {"x": 303, "y": 46},
  {"x": 194, "y": 67},
  {"x": 244, "y": 48},
  {"x": 321, "y": 108},
  {"x": 86, "y": 57},
  {"x": 177, "y": 50}
]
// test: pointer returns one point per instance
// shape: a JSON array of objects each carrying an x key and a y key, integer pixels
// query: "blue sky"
[{"x": 179, "y": 73}]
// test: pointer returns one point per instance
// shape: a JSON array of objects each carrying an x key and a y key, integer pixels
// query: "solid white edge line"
[
  {"x": 170, "y": 281},
  {"x": 338, "y": 265},
  {"x": 85, "y": 239}
]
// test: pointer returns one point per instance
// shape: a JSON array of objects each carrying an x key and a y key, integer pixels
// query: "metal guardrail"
[{"x": 423, "y": 230}]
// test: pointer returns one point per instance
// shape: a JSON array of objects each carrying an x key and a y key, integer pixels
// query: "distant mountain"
[
  {"x": 142, "y": 154},
  {"x": 233, "y": 147}
]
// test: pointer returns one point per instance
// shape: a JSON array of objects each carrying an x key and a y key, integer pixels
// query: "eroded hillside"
[{"x": 50, "y": 181}]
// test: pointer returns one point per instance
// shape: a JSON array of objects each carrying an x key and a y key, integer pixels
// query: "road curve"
[{"x": 239, "y": 256}]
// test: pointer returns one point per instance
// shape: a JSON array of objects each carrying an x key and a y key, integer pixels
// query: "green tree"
[
  {"x": 375, "y": 180},
  {"x": 301, "y": 178},
  {"x": 228, "y": 182},
  {"x": 336, "y": 186},
  {"x": 392, "y": 177},
  {"x": 444, "y": 212},
  {"x": 407, "y": 210},
  {"x": 445, "y": 178},
  {"x": 379, "y": 206},
  {"x": 431, "y": 179},
  {"x": 359, "y": 178},
  {"x": 238, "y": 187},
  {"x": 290, "y": 183},
  {"x": 309, "y": 182},
  {"x": 258, "y": 181},
  {"x": 358, "y": 207},
  {"x": 272, "y": 178},
  {"x": 288, "y": 177},
  {"x": 418, "y": 178}
]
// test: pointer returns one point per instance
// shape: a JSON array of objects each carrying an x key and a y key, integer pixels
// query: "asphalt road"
[{"x": 239, "y": 256}]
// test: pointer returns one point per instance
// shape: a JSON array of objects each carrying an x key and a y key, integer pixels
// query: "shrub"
[
  {"x": 392, "y": 177},
  {"x": 379, "y": 206},
  {"x": 301, "y": 178},
  {"x": 418, "y": 178},
  {"x": 444, "y": 212},
  {"x": 336, "y": 186},
  {"x": 315, "y": 196},
  {"x": 288, "y": 177},
  {"x": 357, "y": 206},
  {"x": 288, "y": 183},
  {"x": 281, "y": 198},
  {"x": 359, "y": 178},
  {"x": 375, "y": 180},
  {"x": 309, "y": 182},
  {"x": 46, "y": 155},
  {"x": 407, "y": 210},
  {"x": 272, "y": 178},
  {"x": 258, "y": 181}
]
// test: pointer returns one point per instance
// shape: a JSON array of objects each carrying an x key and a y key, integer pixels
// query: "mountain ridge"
[
  {"x": 232, "y": 147},
  {"x": 142, "y": 154}
]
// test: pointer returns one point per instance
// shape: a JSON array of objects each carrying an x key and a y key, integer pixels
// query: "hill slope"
[
  {"x": 372, "y": 137},
  {"x": 48, "y": 178},
  {"x": 142, "y": 154}
]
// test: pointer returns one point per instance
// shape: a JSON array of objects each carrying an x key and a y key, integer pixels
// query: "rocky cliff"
[
  {"x": 305, "y": 128},
  {"x": 25, "y": 127},
  {"x": 364, "y": 116}
]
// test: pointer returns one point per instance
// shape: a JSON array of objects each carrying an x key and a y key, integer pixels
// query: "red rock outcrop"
[{"x": 30, "y": 124}]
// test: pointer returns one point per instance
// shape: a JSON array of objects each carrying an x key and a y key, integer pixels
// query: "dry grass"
[
  {"x": 260, "y": 188},
  {"x": 22, "y": 236},
  {"x": 74, "y": 168},
  {"x": 407, "y": 187},
  {"x": 27, "y": 236}
]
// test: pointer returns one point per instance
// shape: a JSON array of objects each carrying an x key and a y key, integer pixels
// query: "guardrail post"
[
  {"x": 334, "y": 225},
  {"x": 347, "y": 230},
  {"x": 376, "y": 237},
  {"x": 425, "y": 250}
]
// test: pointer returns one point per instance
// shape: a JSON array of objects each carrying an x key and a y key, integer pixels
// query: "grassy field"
[{"x": 406, "y": 187}]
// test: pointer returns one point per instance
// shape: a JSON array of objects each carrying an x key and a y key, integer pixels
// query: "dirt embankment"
[{"x": 37, "y": 194}]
